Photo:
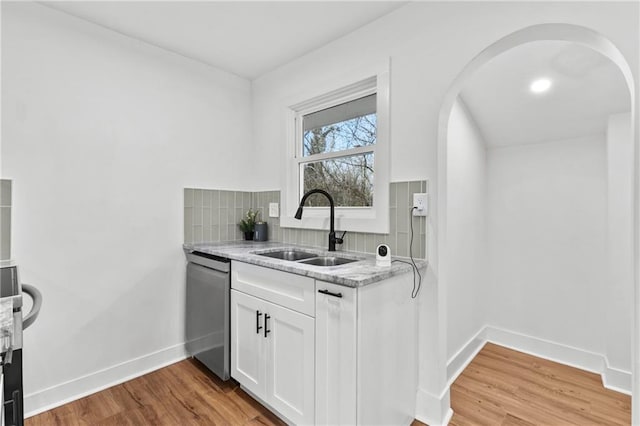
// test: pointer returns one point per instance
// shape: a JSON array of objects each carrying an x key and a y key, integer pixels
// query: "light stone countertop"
[{"x": 355, "y": 274}]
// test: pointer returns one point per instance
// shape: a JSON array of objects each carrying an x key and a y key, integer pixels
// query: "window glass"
[
  {"x": 335, "y": 155},
  {"x": 345, "y": 126},
  {"x": 349, "y": 180}
]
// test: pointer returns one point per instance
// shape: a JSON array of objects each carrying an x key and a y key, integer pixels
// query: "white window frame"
[{"x": 373, "y": 219}]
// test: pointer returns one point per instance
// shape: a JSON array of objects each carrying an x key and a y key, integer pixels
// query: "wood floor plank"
[
  {"x": 500, "y": 387},
  {"x": 508, "y": 400},
  {"x": 533, "y": 391},
  {"x": 511, "y": 420},
  {"x": 185, "y": 393},
  {"x": 478, "y": 409}
]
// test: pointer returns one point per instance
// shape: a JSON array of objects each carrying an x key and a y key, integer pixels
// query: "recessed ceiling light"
[{"x": 540, "y": 85}]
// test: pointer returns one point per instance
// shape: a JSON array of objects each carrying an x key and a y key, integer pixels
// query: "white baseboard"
[
  {"x": 458, "y": 362},
  {"x": 433, "y": 410},
  {"x": 546, "y": 349},
  {"x": 617, "y": 380},
  {"x": 614, "y": 379},
  {"x": 430, "y": 409},
  {"x": 63, "y": 393},
  {"x": 205, "y": 343}
]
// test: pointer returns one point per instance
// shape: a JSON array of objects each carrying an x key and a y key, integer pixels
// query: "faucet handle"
[{"x": 339, "y": 240}]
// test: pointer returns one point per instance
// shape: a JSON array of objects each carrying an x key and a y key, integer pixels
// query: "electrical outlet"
[
  {"x": 274, "y": 210},
  {"x": 420, "y": 202}
]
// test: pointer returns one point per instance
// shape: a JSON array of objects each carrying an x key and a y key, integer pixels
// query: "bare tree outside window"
[{"x": 348, "y": 178}]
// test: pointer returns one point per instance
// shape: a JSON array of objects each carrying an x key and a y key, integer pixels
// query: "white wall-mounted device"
[{"x": 383, "y": 255}]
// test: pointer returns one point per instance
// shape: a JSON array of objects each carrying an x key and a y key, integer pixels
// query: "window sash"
[
  {"x": 340, "y": 112},
  {"x": 302, "y": 110},
  {"x": 336, "y": 154}
]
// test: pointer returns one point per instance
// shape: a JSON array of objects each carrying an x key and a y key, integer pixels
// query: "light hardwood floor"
[
  {"x": 184, "y": 393},
  {"x": 505, "y": 387},
  {"x": 499, "y": 387}
]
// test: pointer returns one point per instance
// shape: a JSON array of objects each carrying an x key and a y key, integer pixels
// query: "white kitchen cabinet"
[
  {"x": 273, "y": 346},
  {"x": 248, "y": 353},
  {"x": 332, "y": 355},
  {"x": 290, "y": 361},
  {"x": 335, "y": 354},
  {"x": 366, "y": 353}
]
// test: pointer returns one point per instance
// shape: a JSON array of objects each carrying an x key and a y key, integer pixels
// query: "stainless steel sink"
[
  {"x": 292, "y": 255},
  {"x": 327, "y": 261}
]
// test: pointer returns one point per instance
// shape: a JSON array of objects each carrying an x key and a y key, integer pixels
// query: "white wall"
[
  {"x": 429, "y": 44},
  {"x": 559, "y": 246},
  {"x": 165, "y": 119},
  {"x": 422, "y": 68},
  {"x": 619, "y": 283},
  {"x": 466, "y": 229},
  {"x": 100, "y": 134},
  {"x": 547, "y": 234}
]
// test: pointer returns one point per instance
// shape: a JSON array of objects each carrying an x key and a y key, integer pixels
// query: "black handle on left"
[{"x": 258, "y": 326}]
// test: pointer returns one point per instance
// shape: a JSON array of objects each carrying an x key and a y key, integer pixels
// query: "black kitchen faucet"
[{"x": 332, "y": 233}]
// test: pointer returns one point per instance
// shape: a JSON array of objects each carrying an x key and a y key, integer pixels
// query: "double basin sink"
[{"x": 307, "y": 258}]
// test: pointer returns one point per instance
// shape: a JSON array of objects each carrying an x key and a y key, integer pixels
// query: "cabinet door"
[
  {"x": 335, "y": 354},
  {"x": 248, "y": 362},
  {"x": 290, "y": 361}
]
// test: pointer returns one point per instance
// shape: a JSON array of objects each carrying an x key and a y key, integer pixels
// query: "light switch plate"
[
  {"x": 274, "y": 211},
  {"x": 420, "y": 202}
]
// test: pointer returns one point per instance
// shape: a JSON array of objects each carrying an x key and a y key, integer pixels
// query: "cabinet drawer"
[{"x": 289, "y": 290}]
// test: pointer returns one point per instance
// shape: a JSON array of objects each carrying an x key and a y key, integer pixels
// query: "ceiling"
[
  {"x": 586, "y": 88},
  {"x": 251, "y": 38},
  {"x": 247, "y": 38}
]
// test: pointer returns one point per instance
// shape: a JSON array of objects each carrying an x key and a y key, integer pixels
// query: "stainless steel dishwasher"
[{"x": 208, "y": 302}]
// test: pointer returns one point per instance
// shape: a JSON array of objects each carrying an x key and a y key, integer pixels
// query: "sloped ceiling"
[
  {"x": 247, "y": 38},
  {"x": 251, "y": 38},
  {"x": 586, "y": 89}
]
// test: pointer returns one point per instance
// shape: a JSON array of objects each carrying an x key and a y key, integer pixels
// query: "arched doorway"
[{"x": 545, "y": 32}]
